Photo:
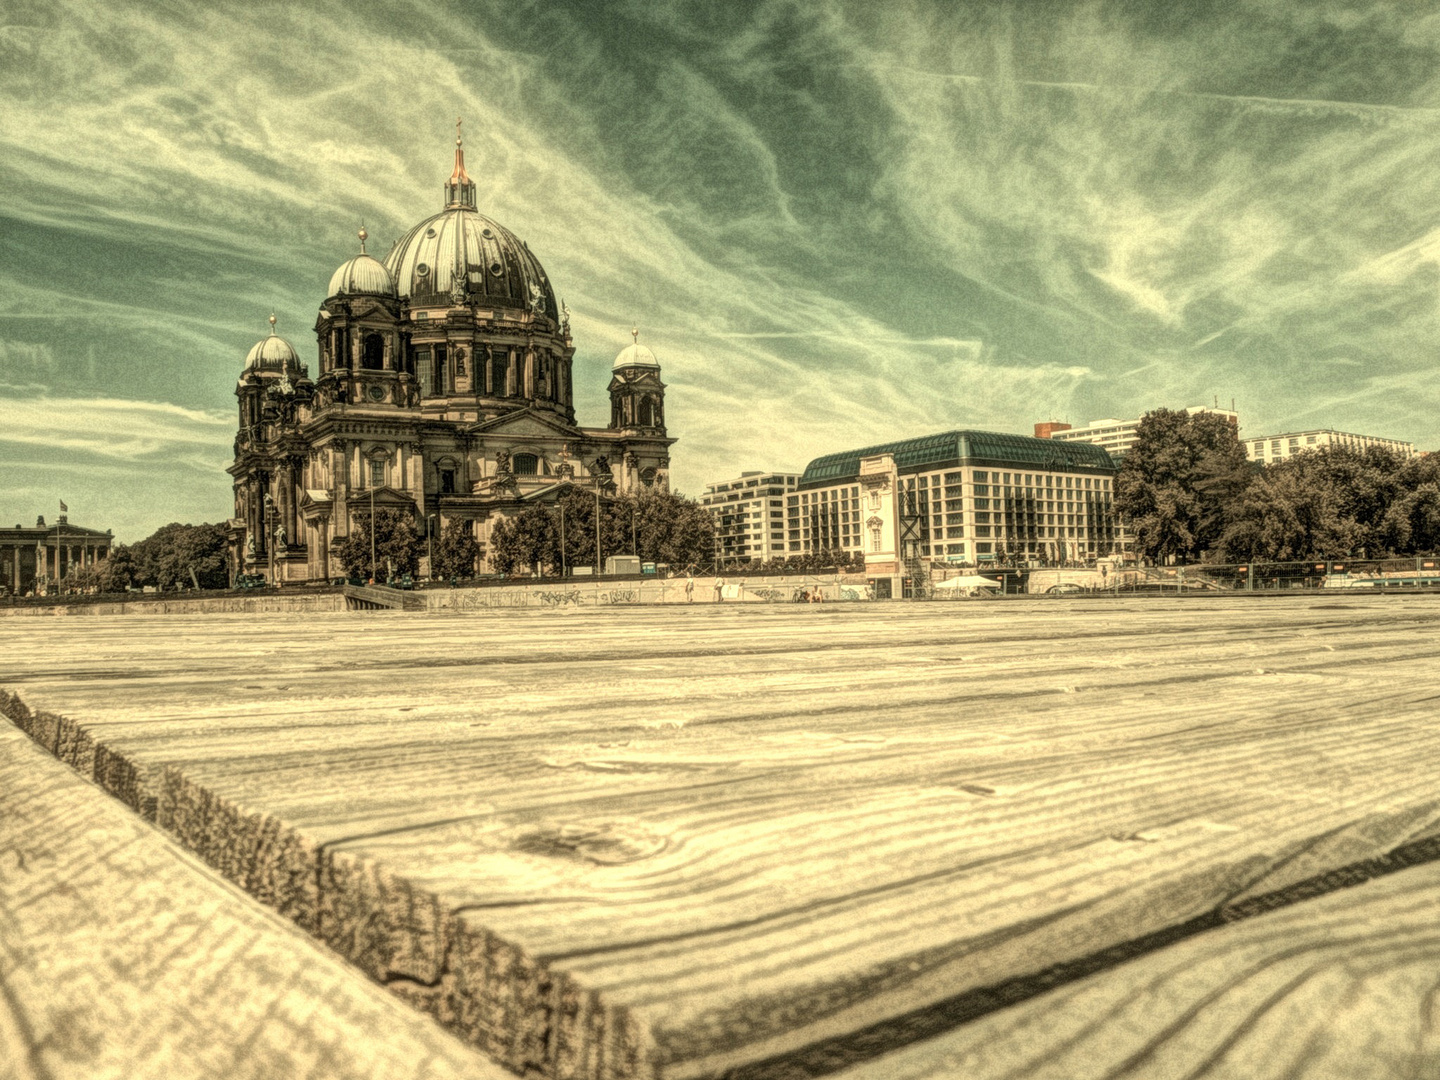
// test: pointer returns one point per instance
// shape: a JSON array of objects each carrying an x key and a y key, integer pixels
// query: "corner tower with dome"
[{"x": 442, "y": 388}]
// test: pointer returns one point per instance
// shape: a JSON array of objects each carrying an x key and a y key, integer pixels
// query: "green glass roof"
[{"x": 967, "y": 447}]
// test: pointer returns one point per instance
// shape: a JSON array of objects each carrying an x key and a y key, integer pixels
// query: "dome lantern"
[
  {"x": 460, "y": 256},
  {"x": 460, "y": 189}
]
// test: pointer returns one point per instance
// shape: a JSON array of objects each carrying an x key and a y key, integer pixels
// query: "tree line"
[
  {"x": 657, "y": 526},
  {"x": 173, "y": 556},
  {"x": 1187, "y": 493}
]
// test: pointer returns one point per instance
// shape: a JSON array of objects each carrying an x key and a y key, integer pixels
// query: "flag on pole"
[{"x": 63, "y": 508}]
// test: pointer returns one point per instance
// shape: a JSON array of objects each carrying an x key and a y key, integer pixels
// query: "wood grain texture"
[
  {"x": 1343, "y": 987},
  {"x": 122, "y": 956},
  {"x": 681, "y": 842}
]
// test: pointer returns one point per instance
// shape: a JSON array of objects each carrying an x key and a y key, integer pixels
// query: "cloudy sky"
[{"x": 835, "y": 223}]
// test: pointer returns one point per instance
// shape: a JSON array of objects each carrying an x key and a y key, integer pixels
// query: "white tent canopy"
[{"x": 968, "y": 581}]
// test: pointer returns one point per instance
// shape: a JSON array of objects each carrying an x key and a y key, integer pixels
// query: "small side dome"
[
  {"x": 362, "y": 274},
  {"x": 635, "y": 355},
  {"x": 272, "y": 353}
]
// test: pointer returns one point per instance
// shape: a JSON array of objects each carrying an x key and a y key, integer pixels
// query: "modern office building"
[
  {"x": 962, "y": 496},
  {"x": 749, "y": 514},
  {"x": 1278, "y": 447},
  {"x": 1116, "y": 436}
]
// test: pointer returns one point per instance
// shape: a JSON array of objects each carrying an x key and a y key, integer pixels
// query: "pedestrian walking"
[
  {"x": 719, "y": 589},
  {"x": 690, "y": 589}
]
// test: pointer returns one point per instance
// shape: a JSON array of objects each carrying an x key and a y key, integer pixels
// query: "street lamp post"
[
  {"x": 372, "y": 530},
  {"x": 597, "y": 528},
  {"x": 269, "y": 537},
  {"x": 562, "y": 539},
  {"x": 430, "y": 542}
]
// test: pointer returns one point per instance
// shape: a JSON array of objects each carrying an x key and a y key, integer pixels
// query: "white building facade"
[
  {"x": 749, "y": 514},
  {"x": 969, "y": 497},
  {"x": 1117, "y": 436},
  {"x": 1279, "y": 447}
]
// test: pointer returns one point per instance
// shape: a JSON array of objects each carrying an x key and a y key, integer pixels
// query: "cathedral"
[{"x": 442, "y": 389}]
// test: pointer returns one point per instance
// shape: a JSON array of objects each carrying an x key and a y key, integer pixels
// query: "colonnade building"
[
  {"x": 54, "y": 552},
  {"x": 961, "y": 496},
  {"x": 442, "y": 391}
]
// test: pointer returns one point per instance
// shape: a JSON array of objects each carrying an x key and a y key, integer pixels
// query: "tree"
[
  {"x": 659, "y": 527},
  {"x": 1179, "y": 482},
  {"x": 1412, "y": 521},
  {"x": 178, "y": 555},
  {"x": 113, "y": 573},
  {"x": 1337, "y": 502},
  {"x": 457, "y": 551},
  {"x": 672, "y": 528},
  {"x": 397, "y": 545}
]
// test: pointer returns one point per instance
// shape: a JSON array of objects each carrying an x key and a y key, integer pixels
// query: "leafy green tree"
[
  {"x": 180, "y": 556},
  {"x": 657, "y": 526},
  {"x": 111, "y": 574},
  {"x": 117, "y": 570},
  {"x": 397, "y": 544},
  {"x": 1411, "y": 523},
  {"x": 1337, "y": 502},
  {"x": 525, "y": 542},
  {"x": 671, "y": 528},
  {"x": 456, "y": 551},
  {"x": 1179, "y": 482}
]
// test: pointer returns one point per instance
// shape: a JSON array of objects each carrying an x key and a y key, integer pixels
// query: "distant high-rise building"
[
  {"x": 1278, "y": 447},
  {"x": 1116, "y": 436},
  {"x": 749, "y": 514}
]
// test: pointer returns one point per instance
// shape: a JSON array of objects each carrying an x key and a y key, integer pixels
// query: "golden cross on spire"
[
  {"x": 457, "y": 131},
  {"x": 635, "y": 335},
  {"x": 272, "y": 322},
  {"x": 363, "y": 237}
]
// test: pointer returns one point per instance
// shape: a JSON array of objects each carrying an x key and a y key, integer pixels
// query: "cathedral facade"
[{"x": 442, "y": 389}]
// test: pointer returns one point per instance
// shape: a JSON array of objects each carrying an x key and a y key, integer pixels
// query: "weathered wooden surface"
[
  {"x": 1344, "y": 987},
  {"x": 690, "y": 840},
  {"x": 123, "y": 956}
]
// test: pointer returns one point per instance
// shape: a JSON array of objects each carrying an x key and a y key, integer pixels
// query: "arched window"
[
  {"x": 526, "y": 464},
  {"x": 372, "y": 355}
]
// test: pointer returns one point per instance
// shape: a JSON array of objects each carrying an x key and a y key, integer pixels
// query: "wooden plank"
[
  {"x": 688, "y": 840},
  {"x": 1345, "y": 985},
  {"x": 123, "y": 956}
]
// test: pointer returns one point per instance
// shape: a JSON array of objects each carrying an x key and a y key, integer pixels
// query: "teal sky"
[{"x": 835, "y": 223}]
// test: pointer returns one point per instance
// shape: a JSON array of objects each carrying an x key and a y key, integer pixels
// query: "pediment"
[
  {"x": 315, "y": 497},
  {"x": 382, "y": 496},
  {"x": 362, "y": 307},
  {"x": 648, "y": 380},
  {"x": 525, "y": 422}
]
